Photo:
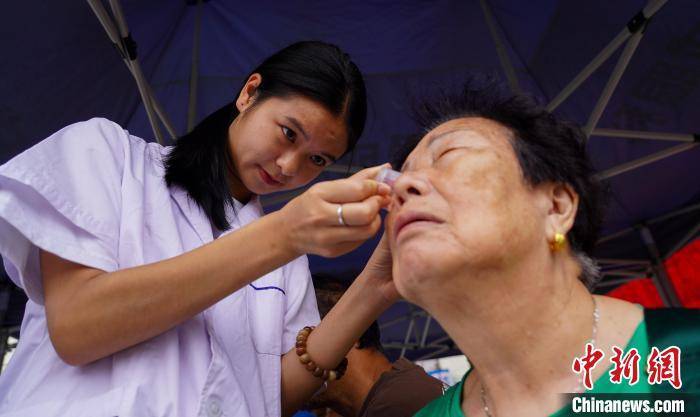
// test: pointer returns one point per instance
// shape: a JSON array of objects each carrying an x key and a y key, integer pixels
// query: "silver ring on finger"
[{"x": 341, "y": 220}]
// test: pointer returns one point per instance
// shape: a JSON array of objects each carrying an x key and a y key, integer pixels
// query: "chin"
[
  {"x": 424, "y": 266},
  {"x": 260, "y": 188},
  {"x": 414, "y": 273}
]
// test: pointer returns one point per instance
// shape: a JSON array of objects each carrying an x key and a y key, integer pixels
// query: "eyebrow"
[
  {"x": 435, "y": 138},
  {"x": 297, "y": 125},
  {"x": 444, "y": 134}
]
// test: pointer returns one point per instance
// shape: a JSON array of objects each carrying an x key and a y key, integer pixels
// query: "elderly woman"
[{"x": 491, "y": 227}]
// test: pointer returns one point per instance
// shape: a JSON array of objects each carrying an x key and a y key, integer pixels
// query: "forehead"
[
  {"x": 321, "y": 126},
  {"x": 476, "y": 131}
]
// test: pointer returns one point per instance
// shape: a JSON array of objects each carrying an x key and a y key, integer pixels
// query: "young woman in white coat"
[{"x": 158, "y": 287}]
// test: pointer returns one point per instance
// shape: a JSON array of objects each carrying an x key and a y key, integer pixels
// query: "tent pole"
[
  {"x": 589, "y": 69},
  {"x": 617, "y": 281},
  {"x": 194, "y": 71},
  {"x": 628, "y": 166},
  {"x": 627, "y": 262},
  {"x": 440, "y": 347},
  {"x": 636, "y": 134},
  {"x": 614, "y": 79},
  {"x": 692, "y": 233},
  {"x": 609, "y": 269},
  {"x": 666, "y": 216},
  {"x": 660, "y": 276},
  {"x": 626, "y": 273},
  {"x": 426, "y": 327},
  {"x": 124, "y": 44},
  {"x": 107, "y": 23},
  {"x": 164, "y": 118},
  {"x": 440, "y": 350},
  {"x": 392, "y": 322},
  {"x": 408, "y": 334},
  {"x": 133, "y": 63},
  {"x": 500, "y": 47},
  {"x": 148, "y": 104},
  {"x": 675, "y": 213},
  {"x": 649, "y": 10}
]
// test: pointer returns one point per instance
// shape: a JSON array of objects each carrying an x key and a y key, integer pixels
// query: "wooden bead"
[{"x": 310, "y": 365}]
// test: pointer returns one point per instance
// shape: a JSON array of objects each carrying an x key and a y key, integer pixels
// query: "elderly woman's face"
[{"x": 461, "y": 205}]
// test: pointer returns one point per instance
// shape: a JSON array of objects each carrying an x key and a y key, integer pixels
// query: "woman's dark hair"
[
  {"x": 548, "y": 148},
  {"x": 200, "y": 161}
]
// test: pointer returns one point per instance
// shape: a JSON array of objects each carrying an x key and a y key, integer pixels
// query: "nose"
[
  {"x": 410, "y": 185},
  {"x": 288, "y": 163}
]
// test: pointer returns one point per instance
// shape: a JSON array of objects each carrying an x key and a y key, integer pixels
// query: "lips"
[
  {"x": 268, "y": 179},
  {"x": 406, "y": 219}
]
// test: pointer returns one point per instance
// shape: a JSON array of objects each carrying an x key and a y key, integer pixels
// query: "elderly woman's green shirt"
[{"x": 660, "y": 328}]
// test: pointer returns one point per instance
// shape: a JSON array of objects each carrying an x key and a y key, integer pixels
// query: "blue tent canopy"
[{"x": 60, "y": 67}]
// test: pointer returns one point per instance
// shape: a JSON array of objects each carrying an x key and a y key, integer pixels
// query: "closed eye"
[{"x": 448, "y": 151}]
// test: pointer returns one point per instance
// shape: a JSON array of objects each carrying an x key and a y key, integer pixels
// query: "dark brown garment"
[{"x": 401, "y": 391}]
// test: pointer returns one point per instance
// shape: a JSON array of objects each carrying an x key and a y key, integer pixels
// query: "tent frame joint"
[
  {"x": 130, "y": 47},
  {"x": 638, "y": 22}
]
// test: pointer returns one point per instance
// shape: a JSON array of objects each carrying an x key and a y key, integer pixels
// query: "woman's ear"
[
  {"x": 246, "y": 97},
  {"x": 562, "y": 209}
]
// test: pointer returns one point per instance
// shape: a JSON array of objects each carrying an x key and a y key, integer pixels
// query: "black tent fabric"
[{"x": 61, "y": 67}]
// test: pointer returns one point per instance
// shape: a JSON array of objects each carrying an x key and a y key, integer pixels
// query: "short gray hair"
[{"x": 590, "y": 271}]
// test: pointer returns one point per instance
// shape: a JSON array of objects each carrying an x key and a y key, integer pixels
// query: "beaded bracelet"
[{"x": 305, "y": 359}]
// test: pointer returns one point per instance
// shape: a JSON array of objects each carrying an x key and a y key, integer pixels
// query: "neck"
[
  {"x": 520, "y": 329},
  {"x": 365, "y": 366},
  {"x": 237, "y": 189},
  {"x": 235, "y": 185}
]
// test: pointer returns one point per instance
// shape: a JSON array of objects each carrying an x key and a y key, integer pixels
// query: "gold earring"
[{"x": 558, "y": 243}]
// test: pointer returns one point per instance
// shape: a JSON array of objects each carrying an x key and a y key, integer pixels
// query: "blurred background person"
[{"x": 372, "y": 385}]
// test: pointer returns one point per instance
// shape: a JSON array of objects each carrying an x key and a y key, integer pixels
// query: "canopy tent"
[
  {"x": 683, "y": 272},
  {"x": 626, "y": 70}
]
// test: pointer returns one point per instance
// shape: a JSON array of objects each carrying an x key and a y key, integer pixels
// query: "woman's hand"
[
  {"x": 311, "y": 219},
  {"x": 378, "y": 271}
]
